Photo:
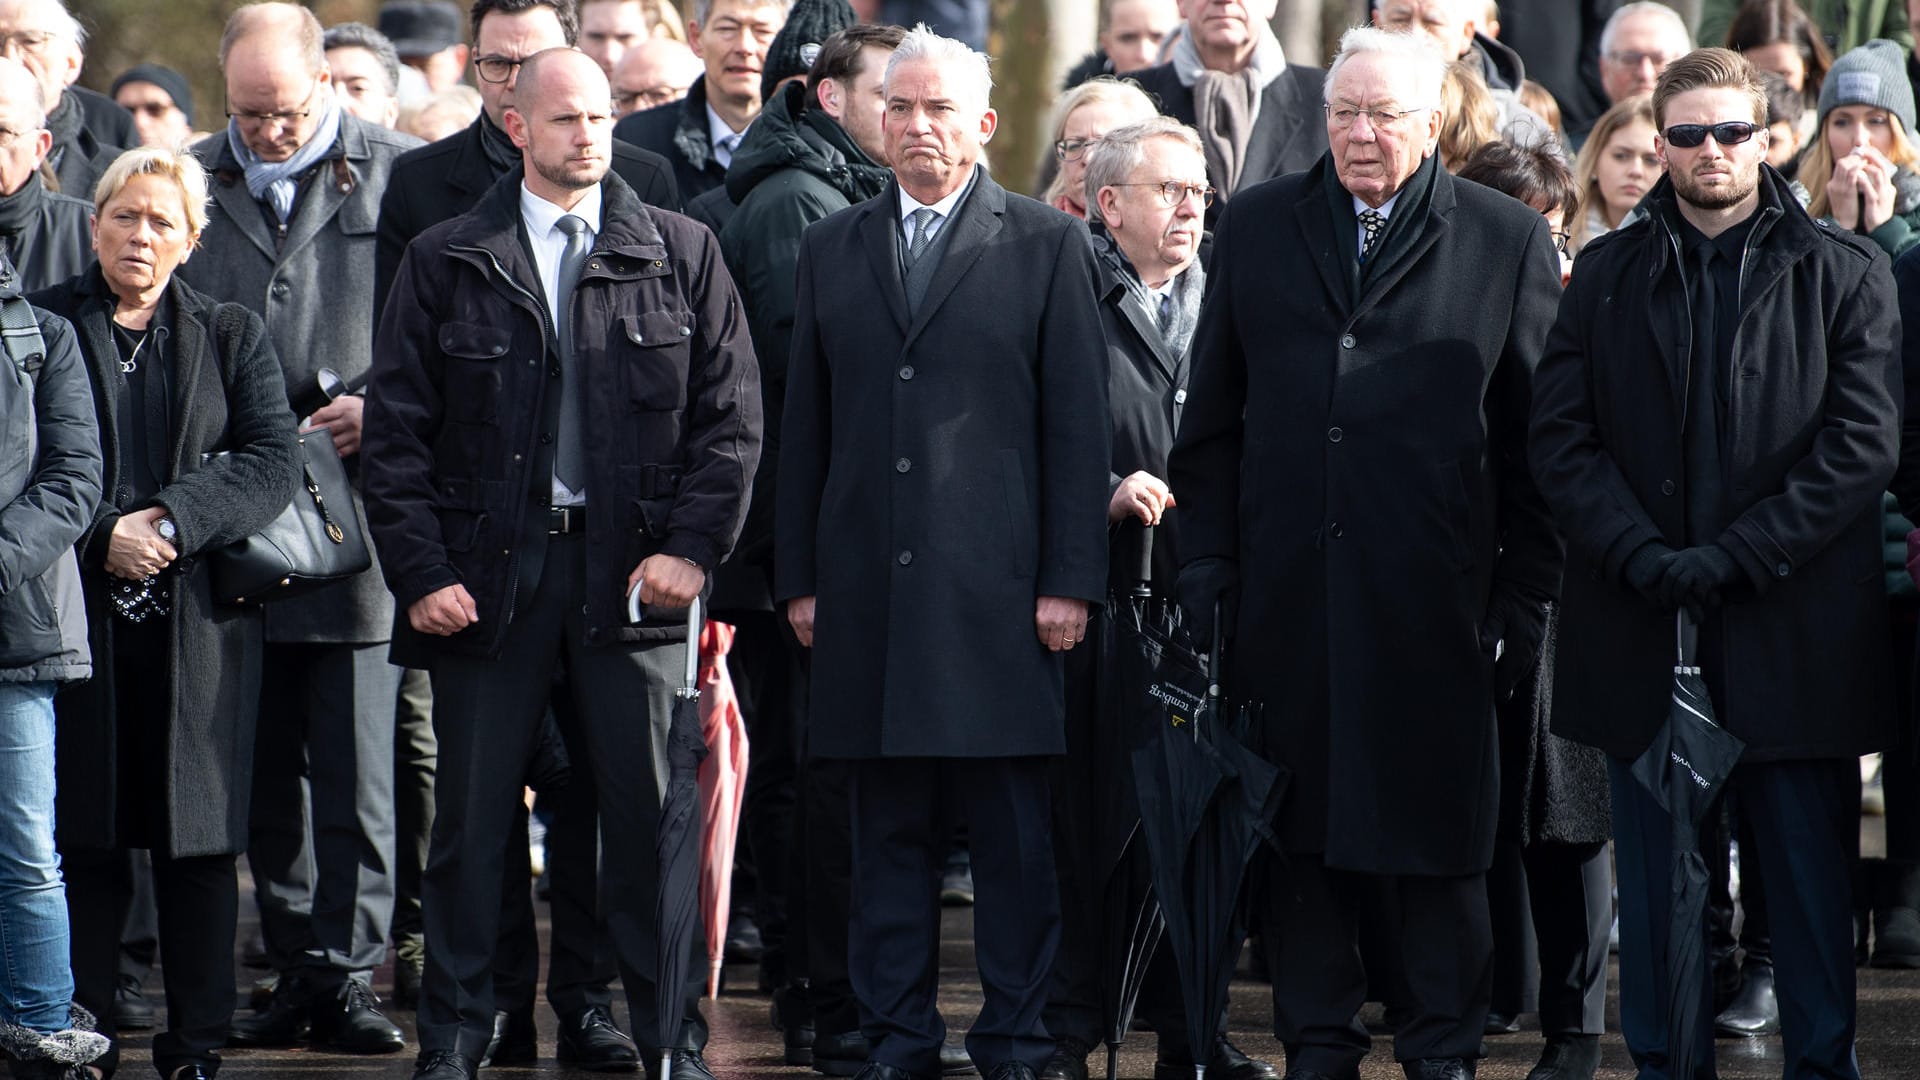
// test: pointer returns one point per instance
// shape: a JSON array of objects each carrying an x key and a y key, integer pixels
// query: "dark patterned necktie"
[{"x": 1374, "y": 222}]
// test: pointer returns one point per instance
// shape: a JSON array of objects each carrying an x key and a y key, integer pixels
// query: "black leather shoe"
[
  {"x": 1568, "y": 1057},
  {"x": 351, "y": 1021},
  {"x": 1502, "y": 1023},
  {"x": 444, "y": 1065},
  {"x": 876, "y": 1071},
  {"x": 1227, "y": 1063},
  {"x": 1755, "y": 1011},
  {"x": 514, "y": 1041},
  {"x": 131, "y": 1009},
  {"x": 188, "y": 1072},
  {"x": 689, "y": 1065},
  {"x": 1069, "y": 1060},
  {"x": 791, "y": 1014},
  {"x": 281, "y": 1023},
  {"x": 1438, "y": 1069},
  {"x": 955, "y": 1061},
  {"x": 589, "y": 1040},
  {"x": 1011, "y": 1070},
  {"x": 841, "y": 1053}
]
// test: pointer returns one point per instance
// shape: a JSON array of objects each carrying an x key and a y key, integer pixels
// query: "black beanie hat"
[
  {"x": 167, "y": 79},
  {"x": 797, "y": 45}
]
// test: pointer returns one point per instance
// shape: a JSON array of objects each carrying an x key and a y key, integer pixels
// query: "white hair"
[
  {"x": 973, "y": 70},
  {"x": 1676, "y": 26},
  {"x": 65, "y": 24},
  {"x": 1415, "y": 55}
]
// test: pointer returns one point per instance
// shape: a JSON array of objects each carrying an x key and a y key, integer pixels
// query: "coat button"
[
  {"x": 906, "y": 371},
  {"x": 1336, "y": 531},
  {"x": 686, "y": 331},
  {"x": 1346, "y": 341},
  {"x": 902, "y": 465},
  {"x": 281, "y": 290},
  {"x": 1334, "y": 434},
  {"x": 906, "y": 558},
  {"x": 1783, "y": 569},
  {"x": 1180, "y": 396},
  {"x": 1666, "y": 487},
  {"x": 546, "y": 438}
]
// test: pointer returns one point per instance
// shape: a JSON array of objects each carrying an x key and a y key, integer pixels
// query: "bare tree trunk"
[{"x": 1035, "y": 45}]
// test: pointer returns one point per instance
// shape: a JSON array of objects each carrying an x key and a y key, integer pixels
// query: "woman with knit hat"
[{"x": 1860, "y": 169}]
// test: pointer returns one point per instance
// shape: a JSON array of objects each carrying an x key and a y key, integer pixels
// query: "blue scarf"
[{"x": 277, "y": 182}]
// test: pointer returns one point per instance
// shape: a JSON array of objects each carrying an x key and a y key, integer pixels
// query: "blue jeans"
[{"x": 36, "y": 983}]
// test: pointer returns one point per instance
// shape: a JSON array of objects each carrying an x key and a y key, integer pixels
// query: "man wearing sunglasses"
[
  {"x": 1351, "y": 477},
  {"x": 1714, "y": 421}
]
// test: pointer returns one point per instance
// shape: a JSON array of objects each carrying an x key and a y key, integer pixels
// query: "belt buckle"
[{"x": 565, "y": 523}]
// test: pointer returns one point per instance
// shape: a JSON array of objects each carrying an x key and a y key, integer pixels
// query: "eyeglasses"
[
  {"x": 1071, "y": 149},
  {"x": 1344, "y": 116},
  {"x": 1560, "y": 240},
  {"x": 497, "y": 69},
  {"x": 26, "y": 41},
  {"x": 1633, "y": 59},
  {"x": 286, "y": 119},
  {"x": 1726, "y": 133},
  {"x": 627, "y": 101},
  {"x": 1175, "y": 192},
  {"x": 9, "y": 136}
]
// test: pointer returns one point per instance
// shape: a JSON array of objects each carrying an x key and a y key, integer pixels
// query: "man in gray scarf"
[
  {"x": 1257, "y": 115},
  {"x": 290, "y": 234}
]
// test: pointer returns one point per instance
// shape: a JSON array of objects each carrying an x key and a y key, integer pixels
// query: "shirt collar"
[
  {"x": 1385, "y": 209},
  {"x": 717, "y": 128},
  {"x": 908, "y": 204},
  {"x": 541, "y": 215}
]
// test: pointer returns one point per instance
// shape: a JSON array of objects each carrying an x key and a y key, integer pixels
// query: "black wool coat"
[
  {"x": 940, "y": 473},
  {"x": 1289, "y": 134},
  {"x": 227, "y": 396},
  {"x": 1810, "y": 440},
  {"x": 454, "y": 438},
  {"x": 1363, "y": 461},
  {"x": 442, "y": 180}
]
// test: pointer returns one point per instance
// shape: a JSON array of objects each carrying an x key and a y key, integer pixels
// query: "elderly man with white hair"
[
  {"x": 89, "y": 130},
  {"x": 1353, "y": 493},
  {"x": 943, "y": 479},
  {"x": 46, "y": 235},
  {"x": 1638, "y": 42}
]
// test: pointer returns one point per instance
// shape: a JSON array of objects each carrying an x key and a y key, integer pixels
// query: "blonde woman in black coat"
[{"x": 156, "y": 751}]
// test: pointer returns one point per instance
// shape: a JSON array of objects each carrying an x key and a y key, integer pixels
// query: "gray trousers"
[
  {"x": 486, "y": 714},
  {"x": 321, "y": 828}
]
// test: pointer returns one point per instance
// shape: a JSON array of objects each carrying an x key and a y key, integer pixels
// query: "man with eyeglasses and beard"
[
  {"x": 1714, "y": 421},
  {"x": 1353, "y": 493}
]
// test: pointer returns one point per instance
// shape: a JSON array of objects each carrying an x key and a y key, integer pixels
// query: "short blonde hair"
[
  {"x": 175, "y": 164},
  {"x": 1469, "y": 117},
  {"x": 1123, "y": 94}
]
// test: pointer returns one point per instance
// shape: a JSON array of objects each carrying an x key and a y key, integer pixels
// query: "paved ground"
[{"x": 743, "y": 1045}]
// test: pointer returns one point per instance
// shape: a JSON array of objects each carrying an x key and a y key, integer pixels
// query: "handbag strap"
[{"x": 334, "y": 532}]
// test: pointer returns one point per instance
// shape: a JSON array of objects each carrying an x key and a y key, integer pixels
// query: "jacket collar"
[
  {"x": 975, "y": 223},
  {"x": 627, "y": 224},
  {"x": 692, "y": 137},
  {"x": 1121, "y": 290},
  {"x": 1780, "y": 237},
  {"x": 336, "y": 178},
  {"x": 183, "y": 329},
  {"x": 1331, "y": 242}
]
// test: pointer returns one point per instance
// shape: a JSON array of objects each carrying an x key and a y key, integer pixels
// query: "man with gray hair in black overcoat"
[
  {"x": 1353, "y": 488},
  {"x": 939, "y": 538}
]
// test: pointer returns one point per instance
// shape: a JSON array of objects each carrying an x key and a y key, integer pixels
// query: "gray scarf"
[
  {"x": 1226, "y": 104},
  {"x": 277, "y": 182},
  {"x": 1188, "y": 288}
]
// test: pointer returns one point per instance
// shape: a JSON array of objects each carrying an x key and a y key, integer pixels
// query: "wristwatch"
[{"x": 167, "y": 529}]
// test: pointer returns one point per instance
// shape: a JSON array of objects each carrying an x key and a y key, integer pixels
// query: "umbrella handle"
[
  {"x": 1143, "y": 564},
  {"x": 1685, "y": 639},
  {"x": 690, "y": 689}
]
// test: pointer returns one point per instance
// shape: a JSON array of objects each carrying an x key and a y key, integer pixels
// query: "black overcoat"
[
  {"x": 227, "y": 395},
  {"x": 1810, "y": 440},
  {"x": 1364, "y": 462},
  {"x": 940, "y": 473}
]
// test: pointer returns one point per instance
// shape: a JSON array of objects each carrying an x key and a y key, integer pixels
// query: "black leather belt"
[{"x": 562, "y": 520}]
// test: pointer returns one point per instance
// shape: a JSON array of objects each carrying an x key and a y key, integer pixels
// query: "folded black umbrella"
[
  {"x": 1206, "y": 803},
  {"x": 1684, "y": 768},
  {"x": 677, "y": 847}
]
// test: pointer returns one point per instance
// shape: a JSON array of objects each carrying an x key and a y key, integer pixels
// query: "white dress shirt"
[
  {"x": 717, "y": 130},
  {"x": 942, "y": 209},
  {"x": 542, "y": 220}
]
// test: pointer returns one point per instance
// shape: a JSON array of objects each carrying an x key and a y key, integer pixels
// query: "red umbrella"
[{"x": 723, "y": 785}]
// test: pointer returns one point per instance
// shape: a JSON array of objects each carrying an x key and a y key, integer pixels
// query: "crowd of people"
[{"x": 1433, "y": 386}]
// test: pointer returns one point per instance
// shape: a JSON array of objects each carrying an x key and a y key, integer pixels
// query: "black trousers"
[
  {"x": 901, "y": 834},
  {"x": 1552, "y": 909},
  {"x": 486, "y": 716},
  {"x": 1441, "y": 942},
  {"x": 413, "y": 765},
  {"x": 1805, "y": 834},
  {"x": 198, "y": 903}
]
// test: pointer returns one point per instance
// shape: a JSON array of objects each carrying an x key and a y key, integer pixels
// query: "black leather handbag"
[{"x": 316, "y": 540}]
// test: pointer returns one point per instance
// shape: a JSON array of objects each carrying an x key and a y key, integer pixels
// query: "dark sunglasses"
[{"x": 1726, "y": 133}]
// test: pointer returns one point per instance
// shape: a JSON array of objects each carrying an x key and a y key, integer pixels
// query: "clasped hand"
[{"x": 135, "y": 550}]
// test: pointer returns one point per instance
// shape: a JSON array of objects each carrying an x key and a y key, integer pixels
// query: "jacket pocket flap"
[
  {"x": 460, "y": 493},
  {"x": 472, "y": 341},
  {"x": 653, "y": 329}
]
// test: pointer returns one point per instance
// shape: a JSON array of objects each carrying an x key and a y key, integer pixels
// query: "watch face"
[{"x": 166, "y": 529}]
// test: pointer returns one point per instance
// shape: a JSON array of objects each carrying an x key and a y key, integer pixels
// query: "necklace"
[{"x": 132, "y": 363}]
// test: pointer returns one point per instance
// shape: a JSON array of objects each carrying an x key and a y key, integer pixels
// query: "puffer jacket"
[{"x": 50, "y": 464}]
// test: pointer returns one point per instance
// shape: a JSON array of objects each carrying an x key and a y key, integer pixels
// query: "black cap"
[
  {"x": 797, "y": 45},
  {"x": 420, "y": 27},
  {"x": 167, "y": 79}
]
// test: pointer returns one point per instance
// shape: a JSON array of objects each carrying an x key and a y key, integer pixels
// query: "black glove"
[
  {"x": 1522, "y": 624},
  {"x": 1695, "y": 577},
  {"x": 1645, "y": 568},
  {"x": 1203, "y": 583}
]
